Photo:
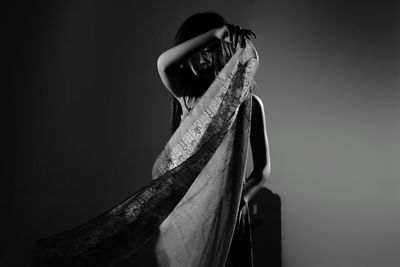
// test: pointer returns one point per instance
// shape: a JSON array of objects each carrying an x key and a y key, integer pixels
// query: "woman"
[
  {"x": 187, "y": 215},
  {"x": 203, "y": 45}
]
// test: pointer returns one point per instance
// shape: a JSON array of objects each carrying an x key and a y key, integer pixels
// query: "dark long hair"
[{"x": 195, "y": 86}]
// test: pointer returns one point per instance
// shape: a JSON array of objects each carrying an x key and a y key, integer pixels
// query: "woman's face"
[{"x": 202, "y": 63}]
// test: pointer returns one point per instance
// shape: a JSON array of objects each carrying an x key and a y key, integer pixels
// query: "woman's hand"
[
  {"x": 234, "y": 34},
  {"x": 256, "y": 180}
]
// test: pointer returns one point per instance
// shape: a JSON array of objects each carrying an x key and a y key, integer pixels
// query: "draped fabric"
[{"x": 187, "y": 215}]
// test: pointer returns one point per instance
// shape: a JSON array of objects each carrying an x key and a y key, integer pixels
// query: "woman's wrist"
[
  {"x": 255, "y": 181},
  {"x": 221, "y": 33}
]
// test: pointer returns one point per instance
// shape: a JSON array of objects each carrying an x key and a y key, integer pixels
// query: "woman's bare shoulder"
[
  {"x": 257, "y": 113},
  {"x": 257, "y": 103}
]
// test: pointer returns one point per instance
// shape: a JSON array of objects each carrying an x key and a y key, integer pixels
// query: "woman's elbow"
[
  {"x": 267, "y": 171},
  {"x": 263, "y": 173},
  {"x": 161, "y": 66},
  {"x": 263, "y": 178}
]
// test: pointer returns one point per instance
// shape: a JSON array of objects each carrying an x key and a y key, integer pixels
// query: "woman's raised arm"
[{"x": 168, "y": 63}]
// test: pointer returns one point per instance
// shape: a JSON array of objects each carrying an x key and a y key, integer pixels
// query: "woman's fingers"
[
  {"x": 234, "y": 36},
  {"x": 240, "y": 36},
  {"x": 237, "y": 35},
  {"x": 230, "y": 33},
  {"x": 243, "y": 40},
  {"x": 250, "y": 33}
]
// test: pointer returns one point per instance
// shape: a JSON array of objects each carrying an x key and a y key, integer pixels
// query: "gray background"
[{"x": 86, "y": 115}]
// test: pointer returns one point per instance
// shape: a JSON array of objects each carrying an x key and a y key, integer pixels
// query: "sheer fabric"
[{"x": 187, "y": 215}]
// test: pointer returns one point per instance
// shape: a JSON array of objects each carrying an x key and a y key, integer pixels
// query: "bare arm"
[
  {"x": 260, "y": 151},
  {"x": 168, "y": 63}
]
